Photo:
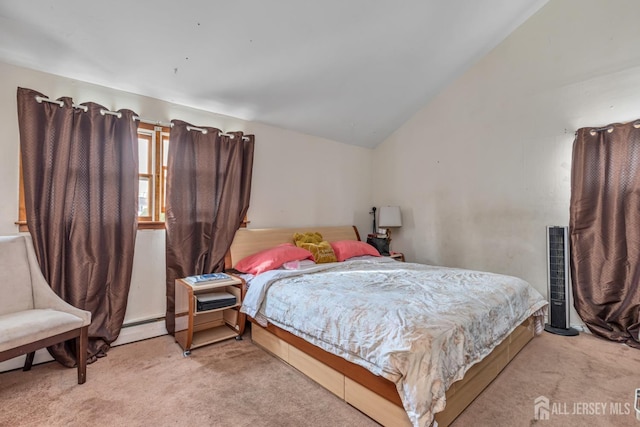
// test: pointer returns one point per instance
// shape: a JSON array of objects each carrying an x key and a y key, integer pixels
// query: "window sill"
[
  {"x": 151, "y": 225},
  {"x": 146, "y": 225}
]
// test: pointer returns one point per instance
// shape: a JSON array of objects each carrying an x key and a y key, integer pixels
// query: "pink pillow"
[
  {"x": 272, "y": 258},
  {"x": 345, "y": 249}
]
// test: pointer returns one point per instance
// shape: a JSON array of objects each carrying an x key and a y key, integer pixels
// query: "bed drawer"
[
  {"x": 270, "y": 342},
  {"x": 327, "y": 377},
  {"x": 378, "y": 408}
]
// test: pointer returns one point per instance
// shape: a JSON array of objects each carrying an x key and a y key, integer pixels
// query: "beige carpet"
[
  {"x": 589, "y": 382},
  {"x": 150, "y": 383}
]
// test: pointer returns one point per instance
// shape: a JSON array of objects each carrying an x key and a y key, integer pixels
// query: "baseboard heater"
[{"x": 143, "y": 322}]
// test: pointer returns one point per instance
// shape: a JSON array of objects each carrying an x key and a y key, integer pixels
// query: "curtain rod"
[
  {"x": 205, "y": 131},
  {"x": 609, "y": 128},
  {"x": 103, "y": 111},
  {"x": 39, "y": 99},
  {"x": 151, "y": 122}
]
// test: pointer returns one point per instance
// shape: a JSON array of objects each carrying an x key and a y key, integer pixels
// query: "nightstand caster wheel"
[
  {"x": 186, "y": 353},
  {"x": 239, "y": 338}
]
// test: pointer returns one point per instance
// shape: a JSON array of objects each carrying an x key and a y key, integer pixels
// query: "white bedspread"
[{"x": 420, "y": 326}]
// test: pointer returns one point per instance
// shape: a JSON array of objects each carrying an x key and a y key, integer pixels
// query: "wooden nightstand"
[
  {"x": 195, "y": 328},
  {"x": 398, "y": 256}
]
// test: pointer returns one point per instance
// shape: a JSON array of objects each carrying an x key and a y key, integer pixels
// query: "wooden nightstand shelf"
[
  {"x": 197, "y": 328},
  {"x": 398, "y": 256}
]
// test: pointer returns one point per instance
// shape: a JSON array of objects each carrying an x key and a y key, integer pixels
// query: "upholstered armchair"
[{"x": 32, "y": 316}]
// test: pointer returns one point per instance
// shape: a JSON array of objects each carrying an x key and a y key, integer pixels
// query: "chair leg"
[
  {"x": 28, "y": 361},
  {"x": 82, "y": 342}
]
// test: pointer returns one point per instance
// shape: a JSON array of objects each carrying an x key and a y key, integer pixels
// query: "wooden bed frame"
[{"x": 374, "y": 395}]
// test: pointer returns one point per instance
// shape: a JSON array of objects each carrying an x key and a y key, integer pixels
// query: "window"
[{"x": 153, "y": 148}]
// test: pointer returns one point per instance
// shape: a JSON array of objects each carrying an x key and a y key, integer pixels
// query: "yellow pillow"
[
  {"x": 309, "y": 237},
  {"x": 321, "y": 250}
]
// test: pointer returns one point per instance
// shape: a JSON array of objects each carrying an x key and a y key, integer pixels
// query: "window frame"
[
  {"x": 159, "y": 136},
  {"x": 149, "y": 175}
]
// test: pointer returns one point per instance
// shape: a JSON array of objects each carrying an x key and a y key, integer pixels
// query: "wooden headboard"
[{"x": 249, "y": 241}]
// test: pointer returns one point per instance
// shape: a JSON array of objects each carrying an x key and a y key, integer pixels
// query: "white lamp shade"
[{"x": 390, "y": 217}]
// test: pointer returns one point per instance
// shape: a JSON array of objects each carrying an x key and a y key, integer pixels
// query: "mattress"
[{"x": 421, "y": 327}]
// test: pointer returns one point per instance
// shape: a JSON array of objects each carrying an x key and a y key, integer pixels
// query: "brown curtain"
[
  {"x": 605, "y": 230},
  {"x": 208, "y": 190},
  {"x": 80, "y": 172}
]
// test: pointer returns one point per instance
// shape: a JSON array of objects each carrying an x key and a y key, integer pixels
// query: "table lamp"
[{"x": 389, "y": 217}]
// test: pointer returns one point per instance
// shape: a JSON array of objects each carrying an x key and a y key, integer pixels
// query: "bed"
[{"x": 354, "y": 337}]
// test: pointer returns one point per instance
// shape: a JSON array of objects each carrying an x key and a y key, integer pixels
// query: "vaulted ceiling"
[{"x": 348, "y": 70}]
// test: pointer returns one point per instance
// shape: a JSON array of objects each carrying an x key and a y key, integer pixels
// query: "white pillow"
[{"x": 298, "y": 265}]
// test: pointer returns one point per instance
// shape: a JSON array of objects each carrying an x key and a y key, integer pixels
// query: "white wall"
[
  {"x": 298, "y": 180},
  {"x": 480, "y": 171}
]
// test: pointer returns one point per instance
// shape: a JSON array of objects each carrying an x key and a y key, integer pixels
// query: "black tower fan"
[{"x": 558, "y": 281}]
